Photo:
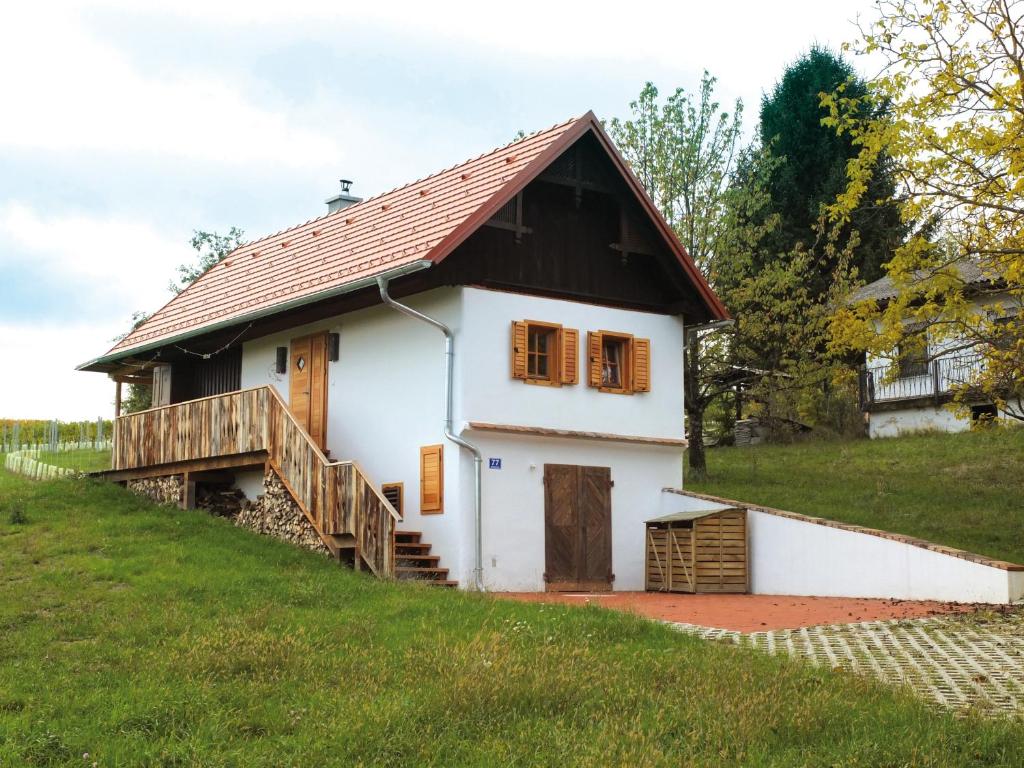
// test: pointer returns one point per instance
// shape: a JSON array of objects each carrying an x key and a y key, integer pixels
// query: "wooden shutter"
[
  {"x": 570, "y": 356},
  {"x": 594, "y": 358},
  {"x": 519, "y": 343},
  {"x": 641, "y": 365},
  {"x": 161, "y": 385},
  {"x": 432, "y": 479}
]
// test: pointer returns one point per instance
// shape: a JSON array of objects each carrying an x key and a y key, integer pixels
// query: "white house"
[
  {"x": 496, "y": 350},
  {"x": 912, "y": 392}
]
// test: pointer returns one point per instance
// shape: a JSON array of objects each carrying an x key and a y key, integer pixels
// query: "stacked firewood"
[
  {"x": 276, "y": 514},
  {"x": 162, "y": 490},
  {"x": 221, "y": 500}
]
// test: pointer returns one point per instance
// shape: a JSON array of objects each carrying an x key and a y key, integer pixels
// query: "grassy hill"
[
  {"x": 964, "y": 490},
  {"x": 143, "y": 635}
]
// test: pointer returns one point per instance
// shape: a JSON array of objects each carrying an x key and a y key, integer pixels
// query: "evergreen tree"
[{"x": 811, "y": 173}]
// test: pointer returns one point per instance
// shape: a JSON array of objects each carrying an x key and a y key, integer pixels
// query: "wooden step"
[
  {"x": 410, "y": 546},
  {"x": 424, "y": 572},
  {"x": 408, "y": 537},
  {"x": 431, "y": 560}
]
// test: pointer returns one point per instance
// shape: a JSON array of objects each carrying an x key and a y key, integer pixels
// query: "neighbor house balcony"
[{"x": 911, "y": 382}]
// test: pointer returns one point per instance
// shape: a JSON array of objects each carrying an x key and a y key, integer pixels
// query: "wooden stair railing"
[{"x": 339, "y": 501}]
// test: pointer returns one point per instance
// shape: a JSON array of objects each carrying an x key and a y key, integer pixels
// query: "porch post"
[{"x": 117, "y": 400}]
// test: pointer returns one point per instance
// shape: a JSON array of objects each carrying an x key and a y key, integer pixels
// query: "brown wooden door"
[
  {"x": 577, "y": 527},
  {"x": 307, "y": 391}
]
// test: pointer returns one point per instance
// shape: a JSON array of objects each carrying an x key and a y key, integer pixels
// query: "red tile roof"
[{"x": 422, "y": 221}]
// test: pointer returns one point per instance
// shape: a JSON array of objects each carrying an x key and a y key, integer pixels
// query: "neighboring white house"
[
  {"x": 912, "y": 392},
  {"x": 565, "y": 295}
]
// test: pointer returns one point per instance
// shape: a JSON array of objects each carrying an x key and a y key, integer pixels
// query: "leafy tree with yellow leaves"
[{"x": 953, "y": 128}]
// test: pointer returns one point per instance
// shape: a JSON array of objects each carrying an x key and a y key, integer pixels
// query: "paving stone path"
[{"x": 974, "y": 660}]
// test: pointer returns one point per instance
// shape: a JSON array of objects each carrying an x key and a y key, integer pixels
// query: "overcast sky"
[{"x": 126, "y": 125}]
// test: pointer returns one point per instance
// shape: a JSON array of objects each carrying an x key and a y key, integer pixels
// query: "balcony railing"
[{"x": 936, "y": 379}]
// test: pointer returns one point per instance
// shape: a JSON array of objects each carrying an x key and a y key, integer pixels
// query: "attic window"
[
  {"x": 619, "y": 363},
  {"x": 544, "y": 353},
  {"x": 615, "y": 353}
]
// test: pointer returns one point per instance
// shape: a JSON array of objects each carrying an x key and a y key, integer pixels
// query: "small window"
[
  {"x": 619, "y": 362},
  {"x": 614, "y": 362},
  {"x": 912, "y": 363},
  {"x": 541, "y": 352},
  {"x": 395, "y": 494},
  {"x": 544, "y": 353},
  {"x": 432, "y": 479}
]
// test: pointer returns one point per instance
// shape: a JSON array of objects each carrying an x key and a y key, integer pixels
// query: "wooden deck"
[{"x": 248, "y": 428}]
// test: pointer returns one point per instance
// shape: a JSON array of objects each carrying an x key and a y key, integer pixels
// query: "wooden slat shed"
[{"x": 702, "y": 550}]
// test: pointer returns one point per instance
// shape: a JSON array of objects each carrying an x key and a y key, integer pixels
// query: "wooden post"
[
  {"x": 117, "y": 400},
  {"x": 188, "y": 492}
]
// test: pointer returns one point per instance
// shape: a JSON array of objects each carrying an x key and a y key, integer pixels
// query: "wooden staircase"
[
  {"x": 413, "y": 561},
  {"x": 253, "y": 428}
]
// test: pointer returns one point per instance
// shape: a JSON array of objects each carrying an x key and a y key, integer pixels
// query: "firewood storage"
[{"x": 698, "y": 551}]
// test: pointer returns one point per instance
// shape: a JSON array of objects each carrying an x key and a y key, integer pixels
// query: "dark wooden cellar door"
[{"x": 577, "y": 528}]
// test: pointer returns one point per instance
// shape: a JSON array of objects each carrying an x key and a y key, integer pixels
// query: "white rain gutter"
[{"x": 478, "y": 459}]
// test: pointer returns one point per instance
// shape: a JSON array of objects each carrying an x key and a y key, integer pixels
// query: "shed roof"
[
  {"x": 694, "y": 514},
  {"x": 404, "y": 230}
]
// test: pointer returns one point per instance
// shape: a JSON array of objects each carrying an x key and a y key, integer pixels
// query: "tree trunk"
[
  {"x": 695, "y": 409},
  {"x": 696, "y": 452}
]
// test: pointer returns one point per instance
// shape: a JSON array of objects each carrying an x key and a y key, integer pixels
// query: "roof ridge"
[{"x": 355, "y": 206}]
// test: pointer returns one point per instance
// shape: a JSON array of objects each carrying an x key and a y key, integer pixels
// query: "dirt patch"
[{"x": 748, "y": 613}]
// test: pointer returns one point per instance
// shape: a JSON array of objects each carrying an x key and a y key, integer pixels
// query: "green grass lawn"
[
  {"x": 964, "y": 490},
  {"x": 82, "y": 459},
  {"x": 144, "y": 635}
]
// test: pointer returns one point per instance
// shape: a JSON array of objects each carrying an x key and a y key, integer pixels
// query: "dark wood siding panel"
[
  {"x": 595, "y": 509},
  {"x": 193, "y": 379},
  {"x": 561, "y": 524}
]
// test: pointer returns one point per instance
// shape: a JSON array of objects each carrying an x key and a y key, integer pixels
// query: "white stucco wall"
[
  {"x": 490, "y": 394},
  {"x": 385, "y": 400},
  {"x": 798, "y": 557},
  {"x": 513, "y": 525},
  {"x": 909, "y": 420},
  {"x": 794, "y": 557}
]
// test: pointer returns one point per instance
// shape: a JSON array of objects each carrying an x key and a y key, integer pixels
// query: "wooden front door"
[
  {"x": 307, "y": 391},
  {"x": 577, "y": 527}
]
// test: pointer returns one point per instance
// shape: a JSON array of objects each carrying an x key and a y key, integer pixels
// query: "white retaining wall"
[{"x": 793, "y": 556}]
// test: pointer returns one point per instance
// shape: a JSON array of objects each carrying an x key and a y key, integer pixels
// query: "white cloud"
[
  {"x": 47, "y": 356},
  {"x": 66, "y": 91},
  {"x": 125, "y": 263}
]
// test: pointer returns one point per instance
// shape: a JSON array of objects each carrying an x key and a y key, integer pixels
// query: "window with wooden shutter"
[
  {"x": 544, "y": 353},
  {"x": 641, "y": 365},
  {"x": 395, "y": 494},
  {"x": 519, "y": 337},
  {"x": 431, "y": 479},
  {"x": 594, "y": 359},
  {"x": 570, "y": 355},
  {"x": 618, "y": 363}
]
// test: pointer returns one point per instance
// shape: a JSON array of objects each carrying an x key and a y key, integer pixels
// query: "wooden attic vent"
[{"x": 395, "y": 494}]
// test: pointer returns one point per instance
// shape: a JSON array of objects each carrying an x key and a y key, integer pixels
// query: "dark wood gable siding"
[{"x": 601, "y": 249}]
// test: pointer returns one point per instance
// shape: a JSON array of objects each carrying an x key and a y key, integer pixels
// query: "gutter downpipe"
[{"x": 478, "y": 460}]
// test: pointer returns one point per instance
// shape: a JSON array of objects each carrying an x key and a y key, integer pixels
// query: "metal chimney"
[{"x": 343, "y": 199}]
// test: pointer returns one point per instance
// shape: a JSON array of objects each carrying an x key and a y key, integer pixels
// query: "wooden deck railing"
[{"x": 336, "y": 496}]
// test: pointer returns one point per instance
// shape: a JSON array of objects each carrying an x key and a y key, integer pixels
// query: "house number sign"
[{"x": 494, "y": 463}]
